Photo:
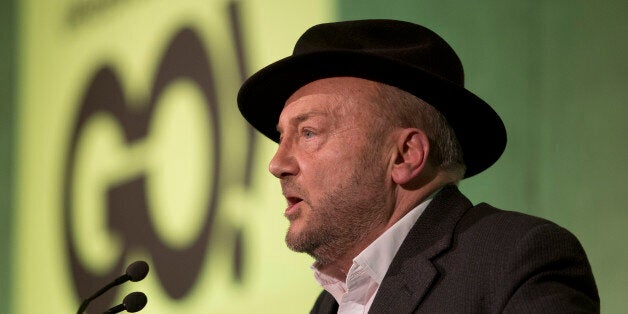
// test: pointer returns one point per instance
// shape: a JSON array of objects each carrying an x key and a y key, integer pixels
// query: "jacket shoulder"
[{"x": 525, "y": 263}]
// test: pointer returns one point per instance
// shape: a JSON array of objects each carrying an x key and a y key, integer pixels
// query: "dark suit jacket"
[{"x": 460, "y": 258}]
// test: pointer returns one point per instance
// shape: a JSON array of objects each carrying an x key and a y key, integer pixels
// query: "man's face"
[{"x": 333, "y": 173}]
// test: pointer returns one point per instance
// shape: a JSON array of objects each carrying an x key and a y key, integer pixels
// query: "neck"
[
  {"x": 403, "y": 201},
  {"x": 335, "y": 259}
]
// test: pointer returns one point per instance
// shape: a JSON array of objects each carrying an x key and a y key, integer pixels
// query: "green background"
[
  {"x": 554, "y": 70},
  {"x": 8, "y": 40}
]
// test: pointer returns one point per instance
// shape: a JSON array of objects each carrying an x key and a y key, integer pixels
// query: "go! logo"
[{"x": 128, "y": 197}]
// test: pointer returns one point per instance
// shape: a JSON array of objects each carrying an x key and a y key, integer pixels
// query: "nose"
[{"x": 283, "y": 163}]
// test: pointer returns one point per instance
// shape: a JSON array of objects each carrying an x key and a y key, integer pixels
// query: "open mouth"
[
  {"x": 293, "y": 205},
  {"x": 292, "y": 200}
]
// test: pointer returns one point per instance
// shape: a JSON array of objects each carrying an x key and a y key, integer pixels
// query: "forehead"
[{"x": 338, "y": 95}]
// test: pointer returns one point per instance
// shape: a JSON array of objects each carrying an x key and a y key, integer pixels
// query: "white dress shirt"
[{"x": 369, "y": 267}]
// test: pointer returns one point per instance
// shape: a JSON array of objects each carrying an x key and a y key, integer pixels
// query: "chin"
[{"x": 297, "y": 240}]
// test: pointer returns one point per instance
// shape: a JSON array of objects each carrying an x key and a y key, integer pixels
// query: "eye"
[{"x": 307, "y": 133}]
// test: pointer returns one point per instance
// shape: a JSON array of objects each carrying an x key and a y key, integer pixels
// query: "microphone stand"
[{"x": 104, "y": 289}]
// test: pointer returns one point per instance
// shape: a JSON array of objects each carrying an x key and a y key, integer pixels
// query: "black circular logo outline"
[{"x": 177, "y": 269}]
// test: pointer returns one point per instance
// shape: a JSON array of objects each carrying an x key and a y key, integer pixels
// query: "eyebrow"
[{"x": 303, "y": 117}]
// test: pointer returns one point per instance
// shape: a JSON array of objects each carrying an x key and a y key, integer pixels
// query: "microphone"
[
  {"x": 133, "y": 302},
  {"x": 134, "y": 272}
]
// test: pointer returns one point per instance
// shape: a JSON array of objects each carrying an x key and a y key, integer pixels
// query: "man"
[{"x": 375, "y": 129}]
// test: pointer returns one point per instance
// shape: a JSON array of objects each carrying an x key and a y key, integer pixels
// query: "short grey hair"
[{"x": 402, "y": 109}]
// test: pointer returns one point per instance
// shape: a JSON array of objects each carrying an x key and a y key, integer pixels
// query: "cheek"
[
  {"x": 328, "y": 168},
  {"x": 325, "y": 174},
  {"x": 314, "y": 173}
]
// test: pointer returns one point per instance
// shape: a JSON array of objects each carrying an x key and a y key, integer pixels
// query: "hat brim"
[{"x": 477, "y": 126}]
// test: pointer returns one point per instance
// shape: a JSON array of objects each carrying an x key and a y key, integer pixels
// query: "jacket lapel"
[
  {"x": 325, "y": 304},
  {"x": 411, "y": 272}
]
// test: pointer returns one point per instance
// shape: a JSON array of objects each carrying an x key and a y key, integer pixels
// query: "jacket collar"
[{"x": 411, "y": 272}]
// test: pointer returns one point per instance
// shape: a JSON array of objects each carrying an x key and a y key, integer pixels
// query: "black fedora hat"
[{"x": 397, "y": 53}]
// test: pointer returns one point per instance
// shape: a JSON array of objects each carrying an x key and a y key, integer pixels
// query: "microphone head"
[
  {"x": 134, "y": 301},
  {"x": 137, "y": 270}
]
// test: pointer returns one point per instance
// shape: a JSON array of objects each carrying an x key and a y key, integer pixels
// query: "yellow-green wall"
[
  {"x": 71, "y": 163},
  {"x": 554, "y": 70}
]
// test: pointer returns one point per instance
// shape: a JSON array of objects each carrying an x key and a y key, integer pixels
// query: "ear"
[{"x": 412, "y": 148}]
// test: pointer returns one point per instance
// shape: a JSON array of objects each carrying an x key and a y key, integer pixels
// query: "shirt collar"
[{"x": 378, "y": 256}]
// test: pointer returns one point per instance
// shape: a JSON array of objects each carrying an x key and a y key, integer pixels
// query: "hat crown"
[
  {"x": 404, "y": 42},
  {"x": 400, "y": 54}
]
